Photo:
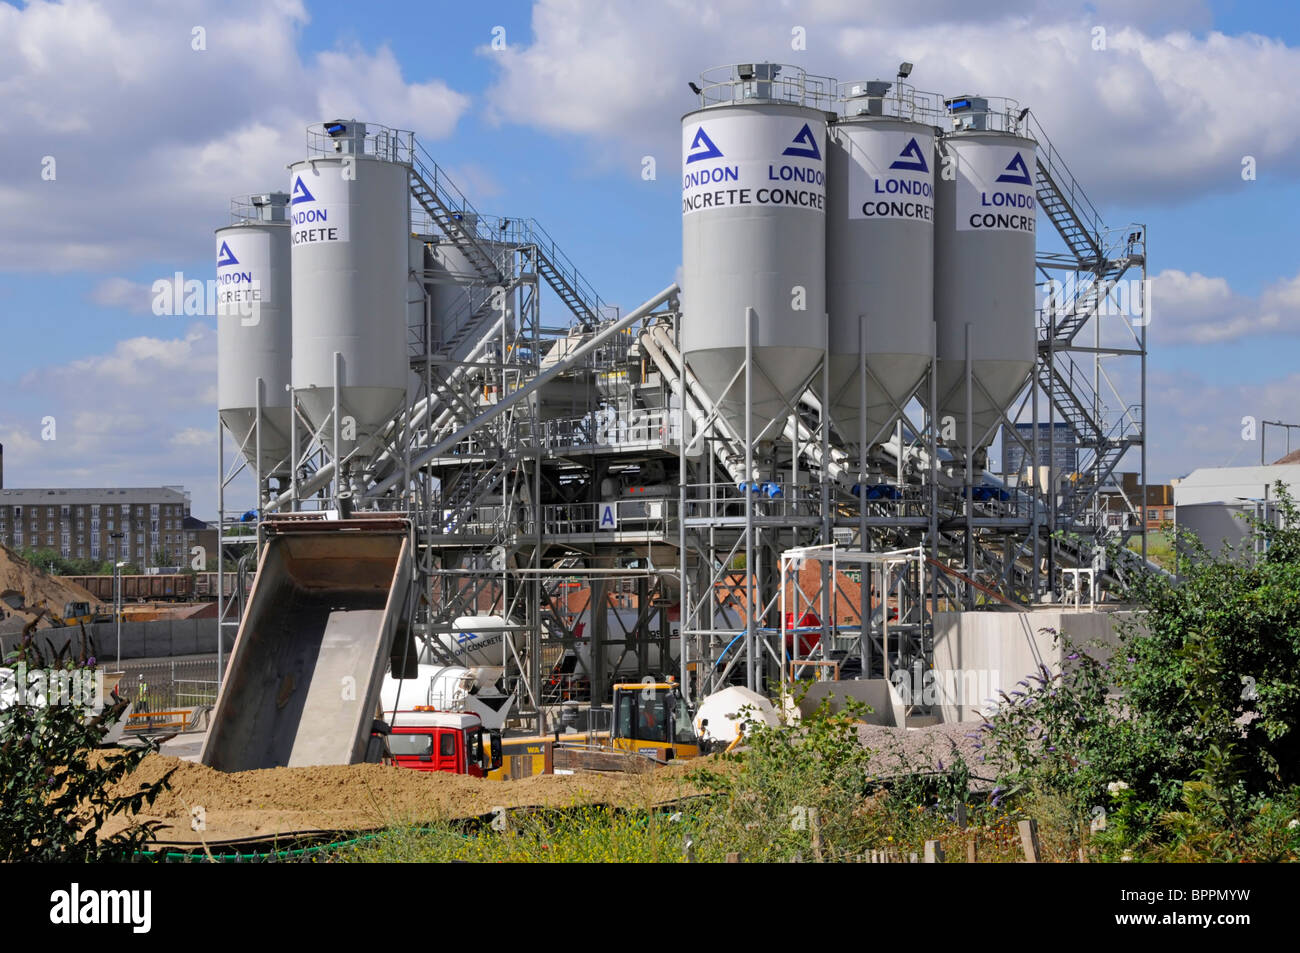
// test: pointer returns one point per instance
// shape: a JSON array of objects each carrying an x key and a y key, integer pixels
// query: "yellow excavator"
[
  {"x": 74, "y": 613},
  {"x": 651, "y": 718},
  {"x": 651, "y": 726}
]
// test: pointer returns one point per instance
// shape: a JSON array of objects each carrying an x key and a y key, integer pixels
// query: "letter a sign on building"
[{"x": 607, "y": 516}]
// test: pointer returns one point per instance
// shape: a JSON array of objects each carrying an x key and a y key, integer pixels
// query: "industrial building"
[
  {"x": 449, "y": 429},
  {"x": 1215, "y": 502}
]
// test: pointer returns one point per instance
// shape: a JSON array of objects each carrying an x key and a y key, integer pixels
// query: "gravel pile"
[{"x": 897, "y": 750}]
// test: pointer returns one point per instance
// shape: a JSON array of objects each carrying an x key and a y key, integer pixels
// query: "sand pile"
[
  {"x": 37, "y": 587},
  {"x": 368, "y": 796}
]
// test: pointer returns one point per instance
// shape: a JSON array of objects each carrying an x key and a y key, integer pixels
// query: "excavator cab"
[
  {"x": 75, "y": 612},
  {"x": 652, "y": 718}
]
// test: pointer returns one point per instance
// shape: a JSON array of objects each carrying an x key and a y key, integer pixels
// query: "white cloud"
[
  {"x": 1196, "y": 421},
  {"x": 1159, "y": 113},
  {"x": 150, "y": 137},
  {"x": 140, "y": 414},
  {"x": 193, "y": 437},
  {"x": 123, "y": 293},
  {"x": 1198, "y": 309},
  {"x": 355, "y": 85}
]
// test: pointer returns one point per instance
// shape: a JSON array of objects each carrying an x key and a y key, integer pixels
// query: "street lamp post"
[{"x": 117, "y": 591}]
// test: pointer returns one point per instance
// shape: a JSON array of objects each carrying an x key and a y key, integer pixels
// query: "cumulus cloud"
[
  {"x": 1160, "y": 112},
  {"x": 1199, "y": 309},
  {"x": 126, "y": 142},
  {"x": 123, "y": 293},
  {"x": 139, "y": 414}
]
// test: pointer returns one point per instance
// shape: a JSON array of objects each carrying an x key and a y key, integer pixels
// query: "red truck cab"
[{"x": 425, "y": 739}]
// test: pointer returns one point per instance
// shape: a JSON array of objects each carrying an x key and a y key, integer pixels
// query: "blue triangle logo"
[
  {"x": 803, "y": 145},
  {"x": 1016, "y": 172},
  {"x": 707, "y": 150},
  {"x": 910, "y": 159},
  {"x": 299, "y": 192},
  {"x": 225, "y": 256}
]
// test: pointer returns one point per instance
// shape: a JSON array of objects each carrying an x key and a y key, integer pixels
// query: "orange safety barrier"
[{"x": 148, "y": 720}]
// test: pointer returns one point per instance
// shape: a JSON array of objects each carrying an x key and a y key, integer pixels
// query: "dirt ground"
[
  {"x": 37, "y": 587},
  {"x": 370, "y": 796},
  {"x": 366, "y": 797}
]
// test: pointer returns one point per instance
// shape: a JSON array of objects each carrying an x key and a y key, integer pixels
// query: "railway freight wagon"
[{"x": 171, "y": 587}]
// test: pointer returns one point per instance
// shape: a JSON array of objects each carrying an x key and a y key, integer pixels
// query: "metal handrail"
[
  {"x": 1065, "y": 181},
  {"x": 528, "y": 231},
  {"x": 780, "y": 81}
]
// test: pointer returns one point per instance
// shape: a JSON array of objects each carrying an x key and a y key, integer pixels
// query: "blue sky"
[{"x": 152, "y": 137}]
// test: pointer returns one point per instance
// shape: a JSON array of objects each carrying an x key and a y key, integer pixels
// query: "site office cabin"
[{"x": 425, "y": 739}]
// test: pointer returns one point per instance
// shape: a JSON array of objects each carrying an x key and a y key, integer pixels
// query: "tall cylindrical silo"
[
  {"x": 254, "y": 333},
  {"x": 350, "y": 231},
  {"x": 754, "y": 236},
  {"x": 984, "y": 269},
  {"x": 879, "y": 257}
]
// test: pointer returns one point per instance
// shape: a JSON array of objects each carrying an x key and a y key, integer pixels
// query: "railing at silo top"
[
  {"x": 766, "y": 82},
  {"x": 897, "y": 101},
  {"x": 379, "y": 142}
]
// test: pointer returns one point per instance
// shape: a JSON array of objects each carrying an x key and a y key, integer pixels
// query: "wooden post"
[
  {"x": 933, "y": 852},
  {"x": 688, "y": 851},
  {"x": 961, "y": 814},
  {"x": 972, "y": 850},
  {"x": 911, "y": 858},
  {"x": 1029, "y": 841},
  {"x": 733, "y": 856},
  {"x": 814, "y": 821}
]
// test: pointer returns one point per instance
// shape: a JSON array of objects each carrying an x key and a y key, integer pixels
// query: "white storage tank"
[
  {"x": 350, "y": 230},
  {"x": 880, "y": 252},
  {"x": 460, "y": 292},
  {"x": 984, "y": 266},
  {"x": 254, "y": 333},
  {"x": 754, "y": 235}
]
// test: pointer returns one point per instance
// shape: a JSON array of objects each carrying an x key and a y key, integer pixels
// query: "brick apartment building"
[
  {"x": 1158, "y": 508},
  {"x": 83, "y": 523}
]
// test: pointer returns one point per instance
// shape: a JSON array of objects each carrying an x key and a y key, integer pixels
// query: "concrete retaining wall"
[
  {"x": 886, "y": 706},
  {"x": 978, "y": 654},
  {"x": 161, "y": 639}
]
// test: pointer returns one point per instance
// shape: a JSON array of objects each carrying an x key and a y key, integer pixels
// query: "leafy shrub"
[
  {"x": 55, "y": 783},
  {"x": 1192, "y": 723}
]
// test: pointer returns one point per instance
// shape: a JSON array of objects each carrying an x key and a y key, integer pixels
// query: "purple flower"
[
  {"x": 1051, "y": 747},
  {"x": 90, "y": 662},
  {"x": 1072, "y": 656},
  {"x": 941, "y": 764}
]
